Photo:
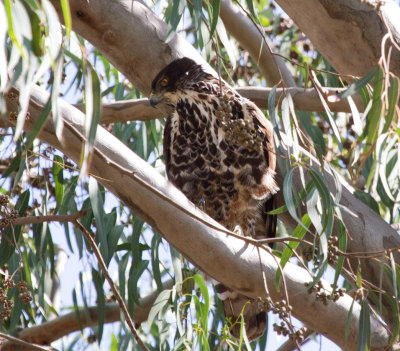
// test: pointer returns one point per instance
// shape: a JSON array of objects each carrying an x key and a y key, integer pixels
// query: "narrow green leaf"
[
  {"x": 113, "y": 237},
  {"x": 3, "y": 53},
  {"x": 358, "y": 277},
  {"x": 299, "y": 232},
  {"x": 98, "y": 281},
  {"x": 177, "y": 265},
  {"x": 161, "y": 301},
  {"x": 15, "y": 317},
  {"x": 39, "y": 124},
  {"x": 67, "y": 16},
  {"x": 250, "y": 6},
  {"x": 393, "y": 97},
  {"x": 367, "y": 199},
  {"x": 364, "y": 328},
  {"x": 178, "y": 6},
  {"x": 96, "y": 200},
  {"x": 20, "y": 172},
  {"x": 15, "y": 162},
  {"x": 312, "y": 210},
  {"x": 58, "y": 168},
  {"x": 133, "y": 288},
  {"x": 394, "y": 278},
  {"x": 223, "y": 36},
  {"x": 122, "y": 265},
  {"x": 331, "y": 121},
  {"x": 348, "y": 321},
  {"x": 215, "y": 15},
  {"x": 114, "y": 343},
  {"x": 374, "y": 115},
  {"x": 69, "y": 192},
  {"x": 11, "y": 31},
  {"x": 197, "y": 21},
  {"x": 155, "y": 262},
  {"x": 358, "y": 84},
  {"x": 38, "y": 41},
  {"x": 92, "y": 112},
  {"x": 357, "y": 125},
  {"x": 394, "y": 303},
  {"x": 342, "y": 236},
  {"x": 204, "y": 291}
]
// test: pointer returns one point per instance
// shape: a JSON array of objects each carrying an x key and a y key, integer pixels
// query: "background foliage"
[{"x": 36, "y": 180}]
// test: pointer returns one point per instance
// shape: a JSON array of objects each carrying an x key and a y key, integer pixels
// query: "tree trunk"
[{"x": 348, "y": 33}]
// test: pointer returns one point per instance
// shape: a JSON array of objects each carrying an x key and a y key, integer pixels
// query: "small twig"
[
  {"x": 293, "y": 62},
  {"x": 25, "y": 343},
  {"x": 368, "y": 254},
  {"x": 290, "y": 345},
  {"x": 51, "y": 218},
  {"x": 89, "y": 237}
]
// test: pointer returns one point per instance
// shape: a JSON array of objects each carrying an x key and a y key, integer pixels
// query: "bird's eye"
[{"x": 164, "y": 82}]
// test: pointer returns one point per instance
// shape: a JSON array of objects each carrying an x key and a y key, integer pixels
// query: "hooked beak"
[{"x": 154, "y": 99}]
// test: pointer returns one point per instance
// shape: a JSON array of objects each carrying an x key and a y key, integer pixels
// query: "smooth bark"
[
  {"x": 273, "y": 68},
  {"x": 348, "y": 33},
  {"x": 303, "y": 99}
]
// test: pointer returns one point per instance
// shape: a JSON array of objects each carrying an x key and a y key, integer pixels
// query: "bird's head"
[{"x": 172, "y": 79}]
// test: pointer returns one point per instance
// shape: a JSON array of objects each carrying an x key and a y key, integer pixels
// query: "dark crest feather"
[{"x": 178, "y": 72}]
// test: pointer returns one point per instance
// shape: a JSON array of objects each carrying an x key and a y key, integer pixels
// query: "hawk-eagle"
[{"x": 218, "y": 150}]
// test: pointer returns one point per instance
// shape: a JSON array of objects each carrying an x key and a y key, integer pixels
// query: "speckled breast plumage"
[{"x": 217, "y": 154}]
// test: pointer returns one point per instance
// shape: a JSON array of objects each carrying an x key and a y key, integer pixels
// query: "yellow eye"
[{"x": 164, "y": 82}]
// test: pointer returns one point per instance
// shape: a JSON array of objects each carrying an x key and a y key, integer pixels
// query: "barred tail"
[{"x": 237, "y": 306}]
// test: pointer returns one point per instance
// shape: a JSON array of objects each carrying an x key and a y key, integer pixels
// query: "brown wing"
[{"x": 265, "y": 127}]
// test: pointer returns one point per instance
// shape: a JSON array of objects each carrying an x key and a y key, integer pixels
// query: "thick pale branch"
[
  {"x": 50, "y": 218},
  {"x": 129, "y": 35},
  {"x": 348, "y": 32},
  {"x": 235, "y": 263},
  {"x": 303, "y": 99},
  {"x": 48, "y": 332},
  {"x": 22, "y": 344},
  {"x": 272, "y": 67}
]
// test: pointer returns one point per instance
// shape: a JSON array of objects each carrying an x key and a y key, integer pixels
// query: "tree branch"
[
  {"x": 259, "y": 46},
  {"x": 303, "y": 99},
  {"x": 51, "y": 218},
  {"x": 23, "y": 345},
  {"x": 352, "y": 28},
  {"x": 290, "y": 344},
  {"x": 48, "y": 332},
  {"x": 124, "y": 309}
]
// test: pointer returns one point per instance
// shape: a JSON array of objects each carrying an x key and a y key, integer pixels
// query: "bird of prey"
[{"x": 218, "y": 149}]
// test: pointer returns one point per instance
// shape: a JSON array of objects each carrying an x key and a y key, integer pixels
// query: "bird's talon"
[{"x": 202, "y": 204}]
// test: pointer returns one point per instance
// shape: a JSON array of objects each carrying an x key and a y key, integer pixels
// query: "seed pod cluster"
[
  {"x": 238, "y": 132},
  {"x": 6, "y": 304},
  {"x": 24, "y": 294},
  {"x": 7, "y": 216},
  {"x": 333, "y": 251},
  {"x": 282, "y": 309},
  {"x": 321, "y": 294}
]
